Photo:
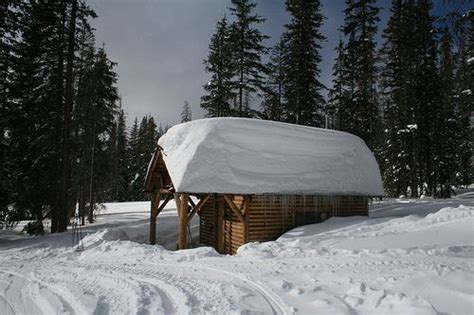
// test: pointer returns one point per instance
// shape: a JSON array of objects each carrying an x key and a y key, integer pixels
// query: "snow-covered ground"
[{"x": 409, "y": 257}]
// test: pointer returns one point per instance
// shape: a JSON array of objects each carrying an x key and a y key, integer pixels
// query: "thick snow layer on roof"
[{"x": 250, "y": 156}]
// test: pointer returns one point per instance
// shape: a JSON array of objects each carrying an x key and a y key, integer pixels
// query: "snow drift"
[
  {"x": 249, "y": 156},
  {"x": 412, "y": 264}
]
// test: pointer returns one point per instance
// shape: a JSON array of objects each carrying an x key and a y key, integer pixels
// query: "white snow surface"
[
  {"x": 251, "y": 156},
  {"x": 408, "y": 257}
]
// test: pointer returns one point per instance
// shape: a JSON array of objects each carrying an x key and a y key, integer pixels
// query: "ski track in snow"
[
  {"x": 337, "y": 267},
  {"x": 141, "y": 288}
]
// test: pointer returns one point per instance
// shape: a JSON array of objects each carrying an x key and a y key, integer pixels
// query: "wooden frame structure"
[{"x": 229, "y": 220}]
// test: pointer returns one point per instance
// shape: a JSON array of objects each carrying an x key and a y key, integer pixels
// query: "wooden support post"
[
  {"x": 246, "y": 207},
  {"x": 183, "y": 221},
  {"x": 155, "y": 201},
  {"x": 176, "y": 197},
  {"x": 220, "y": 224}
]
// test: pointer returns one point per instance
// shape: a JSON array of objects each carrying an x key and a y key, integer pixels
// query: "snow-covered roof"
[{"x": 250, "y": 156}]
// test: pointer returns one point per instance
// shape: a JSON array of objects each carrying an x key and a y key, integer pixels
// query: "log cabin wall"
[{"x": 269, "y": 216}]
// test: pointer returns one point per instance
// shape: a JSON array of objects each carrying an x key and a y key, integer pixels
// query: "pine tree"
[
  {"x": 414, "y": 150},
  {"x": 304, "y": 101},
  {"x": 186, "y": 114},
  {"x": 220, "y": 65},
  {"x": 427, "y": 101},
  {"x": 123, "y": 177},
  {"x": 96, "y": 109},
  {"x": 464, "y": 93},
  {"x": 361, "y": 115},
  {"x": 143, "y": 141},
  {"x": 445, "y": 129},
  {"x": 134, "y": 162},
  {"x": 246, "y": 44},
  {"x": 337, "y": 110},
  {"x": 37, "y": 92},
  {"x": 8, "y": 30},
  {"x": 397, "y": 73},
  {"x": 272, "y": 105}
]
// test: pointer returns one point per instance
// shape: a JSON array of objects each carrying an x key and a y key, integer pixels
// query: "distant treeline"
[{"x": 410, "y": 100}]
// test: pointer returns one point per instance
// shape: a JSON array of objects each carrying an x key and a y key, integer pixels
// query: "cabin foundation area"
[
  {"x": 227, "y": 222},
  {"x": 247, "y": 191}
]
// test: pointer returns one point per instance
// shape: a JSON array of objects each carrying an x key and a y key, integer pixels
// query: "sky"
[{"x": 160, "y": 45}]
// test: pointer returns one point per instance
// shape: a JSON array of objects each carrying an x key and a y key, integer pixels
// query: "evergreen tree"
[
  {"x": 414, "y": 116},
  {"x": 186, "y": 114},
  {"x": 9, "y": 17},
  {"x": 246, "y": 45},
  {"x": 96, "y": 109},
  {"x": 143, "y": 141},
  {"x": 337, "y": 110},
  {"x": 133, "y": 165},
  {"x": 464, "y": 95},
  {"x": 427, "y": 102},
  {"x": 397, "y": 154},
  {"x": 304, "y": 101},
  {"x": 444, "y": 125},
  {"x": 272, "y": 105},
  {"x": 122, "y": 158},
  {"x": 35, "y": 120},
  {"x": 361, "y": 115},
  {"x": 219, "y": 64}
]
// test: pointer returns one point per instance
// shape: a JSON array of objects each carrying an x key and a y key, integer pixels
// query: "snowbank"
[
  {"x": 237, "y": 155},
  {"x": 413, "y": 264}
]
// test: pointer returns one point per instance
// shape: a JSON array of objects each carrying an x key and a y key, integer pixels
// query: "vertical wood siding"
[{"x": 269, "y": 216}]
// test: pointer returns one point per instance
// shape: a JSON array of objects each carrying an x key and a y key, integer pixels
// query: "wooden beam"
[
  {"x": 220, "y": 204},
  {"x": 164, "y": 191},
  {"x": 234, "y": 208},
  {"x": 246, "y": 207},
  {"x": 176, "y": 197},
  {"x": 155, "y": 201},
  {"x": 183, "y": 222},
  {"x": 164, "y": 203},
  {"x": 192, "y": 203},
  {"x": 197, "y": 207}
]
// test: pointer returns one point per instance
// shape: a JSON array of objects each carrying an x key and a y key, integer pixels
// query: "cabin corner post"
[
  {"x": 246, "y": 209},
  {"x": 183, "y": 220},
  {"x": 155, "y": 201}
]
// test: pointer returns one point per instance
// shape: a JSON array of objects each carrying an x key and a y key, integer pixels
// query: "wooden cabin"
[{"x": 254, "y": 179}]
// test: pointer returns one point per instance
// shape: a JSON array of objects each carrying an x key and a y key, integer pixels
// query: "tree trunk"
[{"x": 66, "y": 161}]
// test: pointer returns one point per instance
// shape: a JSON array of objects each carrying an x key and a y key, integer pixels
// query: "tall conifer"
[{"x": 303, "y": 90}]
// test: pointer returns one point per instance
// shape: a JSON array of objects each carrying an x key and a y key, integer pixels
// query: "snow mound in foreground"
[
  {"x": 348, "y": 266},
  {"x": 370, "y": 301},
  {"x": 448, "y": 231},
  {"x": 449, "y": 214},
  {"x": 104, "y": 235}
]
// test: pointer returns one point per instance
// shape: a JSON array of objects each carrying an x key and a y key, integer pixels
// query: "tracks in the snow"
[{"x": 78, "y": 287}]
